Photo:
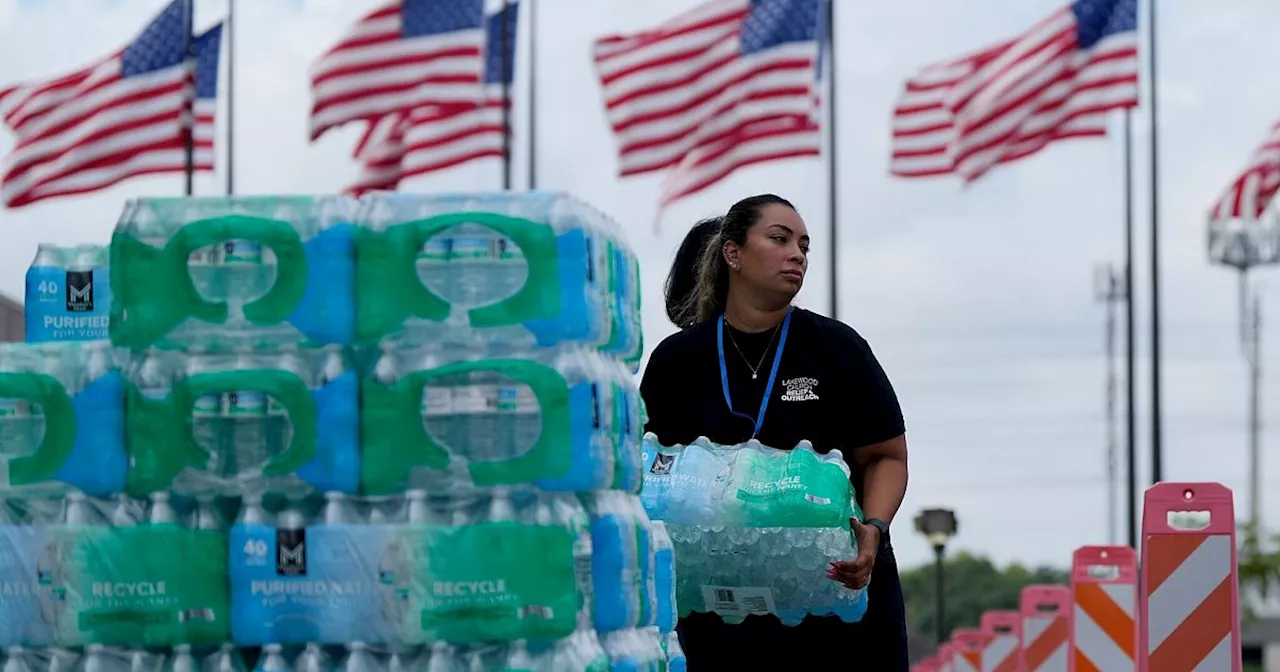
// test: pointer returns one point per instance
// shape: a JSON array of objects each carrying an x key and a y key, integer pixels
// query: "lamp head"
[{"x": 937, "y": 526}]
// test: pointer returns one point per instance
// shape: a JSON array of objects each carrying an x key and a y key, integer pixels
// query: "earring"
[{"x": 733, "y": 266}]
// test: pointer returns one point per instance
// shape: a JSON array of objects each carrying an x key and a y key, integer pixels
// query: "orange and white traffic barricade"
[
  {"x": 929, "y": 664},
  {"x": 1190, "y": 584},
  {"x": 946, "y": 658},
  {"x": 968, "y": 644},
  {"x": 1003, "y": 652},
  {"x": 1046, "y": 626},
  {"x": 1104, "y": 593}
]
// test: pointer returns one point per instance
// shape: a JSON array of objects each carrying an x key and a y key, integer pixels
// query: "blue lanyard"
[{"x": 773, "y": 372}]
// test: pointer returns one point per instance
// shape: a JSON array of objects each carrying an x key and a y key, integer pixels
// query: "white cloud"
[{"x": 978, "y": 301}]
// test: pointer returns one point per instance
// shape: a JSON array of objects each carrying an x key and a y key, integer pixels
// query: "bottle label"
[
  {"x": 63, "y": 305},
  {"x": 209, "y": 405},
  {"x": 738, "y": 601},
  {"x": 31, "y": 596},
  {"x": 74, "y": 585},
  {"x": 465, "y": 589},
  {"x": 353, "y": 587},
  {"x": 478, "y": 399}
]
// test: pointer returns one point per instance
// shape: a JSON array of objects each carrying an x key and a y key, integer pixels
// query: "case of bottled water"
[
  {"x": 220, "y": 272},
  {"x": 61, "y": 419},
  {"x": 622, "y": 561},
  {"x": 113, "y": 571},
  {"x": 526, "y": 270},
  {"x": 754, "y": 528},
  {"x": 233, "y": 424},
  {"x": 453, "y": 419},
  {"x": 410, "y": 570},
  {"x": 68, "y": 294}
]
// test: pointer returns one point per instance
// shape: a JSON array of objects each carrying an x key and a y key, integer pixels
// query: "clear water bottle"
[
  {"x": 357, "y": 658},
  {"x": 15, "y": 660},
  {"x": 182, "y": 660},
  {"x": 226, "y": 659},
  {"x": 312, "y": 659},
  {"x": 272, "y": 660}
]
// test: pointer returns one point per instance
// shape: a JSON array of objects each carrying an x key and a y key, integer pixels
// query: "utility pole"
[
  {"x": 1251, "y": 333},
  {"x": 1245, "y": 244},
  {"x": 1109, "y": 289}
]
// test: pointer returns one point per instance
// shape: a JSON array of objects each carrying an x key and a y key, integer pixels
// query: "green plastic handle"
[
  {"x": 283, "y": 386},
  {"x": 59, "y": 426},
  {"x": 280, "y": 237},
  {"x": 387, "y": 270},
  {"x": 549, "y": 457}
]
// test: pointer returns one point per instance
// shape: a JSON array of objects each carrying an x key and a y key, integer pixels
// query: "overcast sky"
[{"x": 978, "y": 301}]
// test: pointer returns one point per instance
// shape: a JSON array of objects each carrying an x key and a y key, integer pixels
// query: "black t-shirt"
[{"x": 829, "y": 388}]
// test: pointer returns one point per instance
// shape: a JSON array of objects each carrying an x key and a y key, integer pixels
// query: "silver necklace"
[{"x": 755, "y": 370}]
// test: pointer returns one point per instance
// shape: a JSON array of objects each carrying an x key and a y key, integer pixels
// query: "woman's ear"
[{"x": 732, "y": 255}]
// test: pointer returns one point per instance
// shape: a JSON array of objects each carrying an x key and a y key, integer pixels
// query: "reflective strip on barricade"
[
  {"x": 1104, "y": 625},
  {"x": 1003, "y": 652},
  {"x": 968, "y": 644},
  {"x": 1046, "y": 614},
  {"x": 1190, "y": 583}
]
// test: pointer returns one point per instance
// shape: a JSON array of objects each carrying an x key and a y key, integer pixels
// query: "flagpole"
[
  {"x": 832, "y": 190},
  {"x": 504, "y": 66},
  {"x": 230, "y": 37},
  {"x": 1131, "y": 450},
  {"x": 1157, "y": 456},
  {"x": 188, "y": 139},
  {"x": 532, "y": 20}
]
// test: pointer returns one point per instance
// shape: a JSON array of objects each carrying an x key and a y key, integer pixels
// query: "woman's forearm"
[{"x": 884, "y": 478}]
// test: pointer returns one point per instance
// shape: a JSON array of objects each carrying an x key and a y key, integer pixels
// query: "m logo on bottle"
[
  {"x": 79, "y": 291},
  {"x": 291, "y": 552}
]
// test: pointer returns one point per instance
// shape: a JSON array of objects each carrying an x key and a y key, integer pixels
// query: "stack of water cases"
[
  {"x": 196, "y": 490},
  {"x": 501, "y": 433}
]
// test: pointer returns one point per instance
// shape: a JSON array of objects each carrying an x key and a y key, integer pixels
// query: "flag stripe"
[
  {"x": 1009, "y": 101},
  {"x": 1251, "y": 193}
]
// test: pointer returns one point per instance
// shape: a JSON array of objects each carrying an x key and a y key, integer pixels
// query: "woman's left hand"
[{"x": 856, "y": 573}]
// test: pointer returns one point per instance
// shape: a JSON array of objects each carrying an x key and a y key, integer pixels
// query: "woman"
[{"x": 744, "y": 347}]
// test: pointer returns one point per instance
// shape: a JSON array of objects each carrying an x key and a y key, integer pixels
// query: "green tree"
[
  {"x": 1259, "y": 566},
  {"x": 973, "y": 585}
]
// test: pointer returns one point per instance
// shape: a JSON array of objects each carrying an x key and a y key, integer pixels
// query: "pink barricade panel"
[
  {"x": 1003, "y": 652},
  {"x": 968, "y": 643},
  {"x": 1190, "y": 585},
  {"x": 1046, "y": 625},
  {"x": 929, "y": 664},
  {"x": 1104, "y": 624},
  {"x": 946, "y": 658}
]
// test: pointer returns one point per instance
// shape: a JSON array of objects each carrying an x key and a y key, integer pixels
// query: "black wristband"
[{"x": 879, "y": 525}]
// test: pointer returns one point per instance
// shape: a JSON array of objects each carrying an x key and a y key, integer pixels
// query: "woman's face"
[{"x": 776, "y": 255}]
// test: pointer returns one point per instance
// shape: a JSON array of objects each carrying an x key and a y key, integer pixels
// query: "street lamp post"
[
  {"x": 1245, "y": 244},
  {"x": 938, "y": 526}
]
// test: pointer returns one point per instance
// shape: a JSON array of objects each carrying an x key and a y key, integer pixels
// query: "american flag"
[
  {"x": 438, "y": 136},
  {"x": 1058, "y": 80},
  {"x": 121, "y": 117},
  {"x": 1252, "y": 191},
  {"x": 405, "y": 55},
  {"x": 727, "y": 84}
]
